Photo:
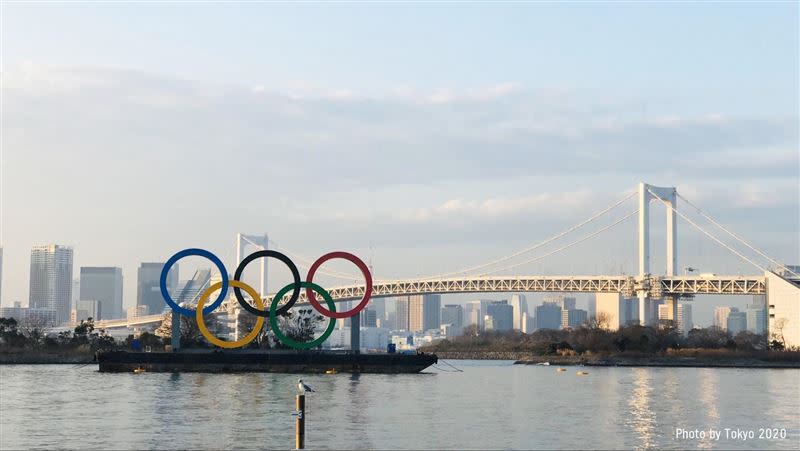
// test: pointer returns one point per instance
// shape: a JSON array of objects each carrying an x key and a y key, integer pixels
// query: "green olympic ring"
[{"x": 273, "y": 317}]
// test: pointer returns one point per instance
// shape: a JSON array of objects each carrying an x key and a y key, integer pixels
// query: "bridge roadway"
[{"x": 657, "y": 287}]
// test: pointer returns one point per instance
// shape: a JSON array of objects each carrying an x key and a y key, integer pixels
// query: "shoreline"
[{"x": 522, "y": 358}]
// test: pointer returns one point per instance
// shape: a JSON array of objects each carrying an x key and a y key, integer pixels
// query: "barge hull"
[{"x": 264, "y": 362}]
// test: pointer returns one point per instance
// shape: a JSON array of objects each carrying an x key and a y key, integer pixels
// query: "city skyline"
[{"x": 456, "y": 174}]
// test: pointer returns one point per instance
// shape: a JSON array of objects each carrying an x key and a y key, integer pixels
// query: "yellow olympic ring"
[{"x": 223, "y": 343}]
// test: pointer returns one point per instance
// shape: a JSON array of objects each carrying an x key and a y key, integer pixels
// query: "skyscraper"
[
  {"x": 548, "y": 316},
  {"x": 721, "y": 317},
  {"x": 573, "y": 318},
  {"x": 51, "y": 280},
  {"x": 502, "y": 315},
  {"x": 520, "y": 306},
  {"x": 369, "y": 318},
  {"x": 401, "y": 306},
  {"x": 684, "y": 320},
  {"x": 104, "y": 285},
  {"x": 563, "y": 301},
  {"x": 737, "y": 322},
  {"x": 379, "y": 305},
  {"x": 419, "y": 313},
  {"x": 757, "y": 315},
  {"x": 148, "y": 288},
  {"x": 453, "y": 314},
  {"x": 476, "y": 312}
]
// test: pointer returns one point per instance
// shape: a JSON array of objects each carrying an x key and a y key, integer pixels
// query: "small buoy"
[
  {"x": 561, "y": 370},
  {"x": 138, "y": 370},
  {"x": 331, "y": 371},
  {"x": 582, "y": 373}
]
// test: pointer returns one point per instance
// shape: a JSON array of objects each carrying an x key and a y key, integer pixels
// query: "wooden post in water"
[{"x": 300, "y": 423}]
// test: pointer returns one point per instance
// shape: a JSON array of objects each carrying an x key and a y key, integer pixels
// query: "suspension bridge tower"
[
  {"x": 261, "y": 242},
  {"x": 648, "y": 313}
]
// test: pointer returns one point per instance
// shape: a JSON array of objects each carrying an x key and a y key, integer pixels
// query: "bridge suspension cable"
[
  {"x": 306, "y": 263},
  {"x": 736, "y": 237},
  {"x": 720, "y": 242},
  {"x": 535, "y": 246},
  {"x": 567, "y": 246}
]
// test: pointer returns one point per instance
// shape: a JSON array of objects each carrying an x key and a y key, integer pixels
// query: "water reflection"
[
  {"x": 642, "y": 420},
  {"x": 708, "y": 400}
]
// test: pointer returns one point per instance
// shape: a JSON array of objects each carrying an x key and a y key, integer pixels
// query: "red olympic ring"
[{"x": 312, "y": 298}]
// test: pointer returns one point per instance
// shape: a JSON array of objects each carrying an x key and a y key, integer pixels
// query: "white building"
[
  {"x": 757, "y": 315},
  {"x": 783, "y": 303},
  {"x": 51, "y": 280},
  {"x": 371, "y": 339},
  {"x": 520, "y": 306}
]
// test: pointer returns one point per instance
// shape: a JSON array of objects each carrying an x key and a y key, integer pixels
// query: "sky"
[{"x": 423, "y": 137}]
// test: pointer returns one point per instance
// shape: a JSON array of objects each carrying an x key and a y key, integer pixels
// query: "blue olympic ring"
[{"x": 200, "y": 253}]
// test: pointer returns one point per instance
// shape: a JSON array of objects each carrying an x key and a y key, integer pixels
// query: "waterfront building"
[
  {"x": 548, "y": 316},
  {"x": 148, "y": 286},
  {"x": 51, "y": 280},
  {"x": 453, "y": 314},
  {"x": 736, "y": 322},
  {"x": 371, "y": 339},
  {"x": 501, "y": 314},
  {"x": 31, "y": 316},
  {"x": 103, "y": 284},
  {"x": 721, "y": 317},
  {"x": 520, "y": 306},
  {"x": 573, "y": 318}
]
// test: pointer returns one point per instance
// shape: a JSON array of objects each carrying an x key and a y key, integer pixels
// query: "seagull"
[{"x": 303, "y": 387}]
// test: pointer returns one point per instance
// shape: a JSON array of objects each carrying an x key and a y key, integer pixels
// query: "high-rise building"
[
  {"x": 369, "y": 318},
  {"x": 148, "y": 288},
  {"x": 379, "y": 305},
  {"x": 453, "y": 314},
  {"x": 472, "y": 314},
  {"x": 563, "y": 301},
  {"x": 502, "y": 315},
  {"x": 737, "y": 322},
  {"x": 548, "y": 316},
  {"x": 592, "y": 304},
  {"x": 476, "y": 312},
  {"x": 573, "y": 318},
  {"x": 103, "y": 284},
  {"x": 721, "y": 317},
  {"x": 424, "y": 312},
  {"x": 86, "y": 309},
  {"x": 520, "y": 306},
  {"x": 51, "y": 280},
  {"x": 527, "y": 323},
  {"x": 783, "y": 309},
  {"x": 684, "y": 320},
  {"x": 757, "y": 315},
  {"x": 402, "y": 307},
  {"x": 419, "y": 313}
]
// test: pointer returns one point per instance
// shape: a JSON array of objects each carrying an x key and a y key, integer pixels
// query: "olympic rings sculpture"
[{"x": 273, "y": 311}]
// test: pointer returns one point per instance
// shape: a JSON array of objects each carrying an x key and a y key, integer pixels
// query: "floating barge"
[{"x": 245, "y": 361}]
